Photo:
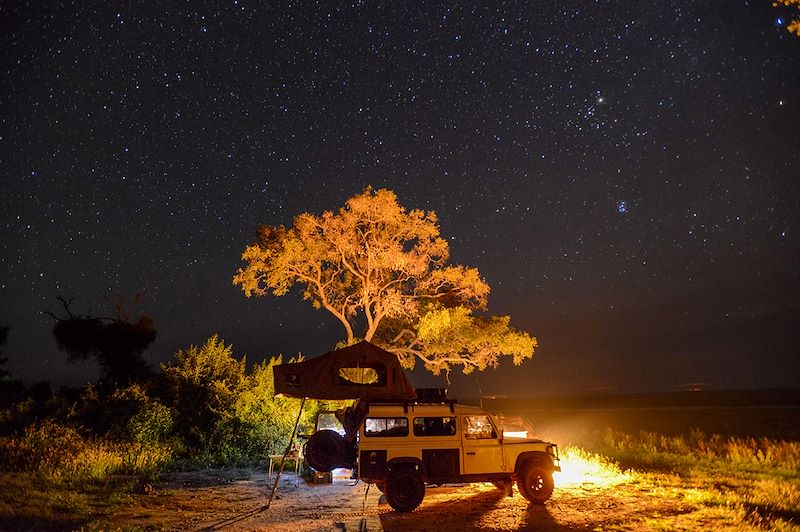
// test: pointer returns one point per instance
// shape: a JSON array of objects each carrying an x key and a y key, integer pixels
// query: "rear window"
[
  {"x": 434, "y": 426},
  {"x": 385, "y": 426}
]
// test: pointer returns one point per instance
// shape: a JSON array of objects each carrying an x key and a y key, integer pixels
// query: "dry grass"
[
  {"x": 53, "y": 477},
  {"x": 56, "y": 478},
  {"x": 744, "y": 483},
  {"x": 59, "y": 453}
]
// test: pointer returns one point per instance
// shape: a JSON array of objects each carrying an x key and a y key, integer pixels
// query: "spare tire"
[{"x": 325, "y": 450}]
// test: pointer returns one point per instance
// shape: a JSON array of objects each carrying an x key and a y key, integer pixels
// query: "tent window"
[{"x": 373, "y": 376}]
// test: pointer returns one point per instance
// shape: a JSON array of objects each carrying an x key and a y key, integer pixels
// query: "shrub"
[
  {"x": 204, "y": 383},
  {"x": 151, "y": 425}
]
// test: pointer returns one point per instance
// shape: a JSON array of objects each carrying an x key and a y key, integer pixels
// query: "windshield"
[{"x": 514, "y": 427}]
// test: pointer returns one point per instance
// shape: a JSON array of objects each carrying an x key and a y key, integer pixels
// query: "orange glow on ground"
[{"x": 583, "y": 469}]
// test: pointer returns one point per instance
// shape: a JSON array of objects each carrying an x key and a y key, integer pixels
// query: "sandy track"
[{"x": 231, "y": 500}]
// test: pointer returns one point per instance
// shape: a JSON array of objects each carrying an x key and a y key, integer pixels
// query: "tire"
[
  {"x": 405, "y": 489},
  {"x": 325, "y": 450},
  {"x": 535, "y": 483}
]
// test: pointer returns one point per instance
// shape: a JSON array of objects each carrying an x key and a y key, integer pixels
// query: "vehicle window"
[
  {"x": 328, "y": 421},
  {"x": 434, "y": 426},
  {"x": 478, "y": 428},
  {"x": 386, "y": 426}
]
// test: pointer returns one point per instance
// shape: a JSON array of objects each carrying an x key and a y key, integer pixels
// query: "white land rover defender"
[
  {"x": 401, "y": 439},
  {"x": 401, "y": 447}
]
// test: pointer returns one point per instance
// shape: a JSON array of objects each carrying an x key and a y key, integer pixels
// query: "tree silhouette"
[
  {"x": 376, "y": 264},
  {"x": 4, "y": 374},
  {"x": 116, "y": 343}
]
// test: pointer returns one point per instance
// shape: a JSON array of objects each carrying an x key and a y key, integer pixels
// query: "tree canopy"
[
  {"x": 382, "y": 270},
  {"x": 793, "y": 25}
]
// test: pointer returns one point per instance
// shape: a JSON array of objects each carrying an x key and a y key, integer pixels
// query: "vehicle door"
[{"x": 481, "y": 445}]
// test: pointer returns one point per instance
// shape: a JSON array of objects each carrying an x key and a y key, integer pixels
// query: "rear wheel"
[
  {"x": 405, "y": 489},
  {"x": 535, "y": 482}
]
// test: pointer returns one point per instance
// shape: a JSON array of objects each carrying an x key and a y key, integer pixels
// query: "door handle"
[{"x": 471, "y": 454}]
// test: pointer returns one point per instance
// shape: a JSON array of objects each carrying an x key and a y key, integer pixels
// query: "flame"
[{"x": 580, "y": 468}]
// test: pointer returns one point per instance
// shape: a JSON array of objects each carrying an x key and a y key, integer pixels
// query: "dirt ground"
[{"x": 235, "y": 500}]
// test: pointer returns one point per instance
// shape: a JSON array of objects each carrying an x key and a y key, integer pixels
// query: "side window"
[
  {"x": 328, "y": 420},
  {"x": 434, "y": 426},
  {"x": 385, "y": 426},
  {"x": 478, "y": 428}
]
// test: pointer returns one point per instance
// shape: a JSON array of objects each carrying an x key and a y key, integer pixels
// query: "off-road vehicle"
[
  {"x": 401, "y": 439},
  {"x": 402, "y": 446}
]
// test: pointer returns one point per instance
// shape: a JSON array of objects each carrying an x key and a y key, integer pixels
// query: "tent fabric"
[{"x": 359, "y": 371}]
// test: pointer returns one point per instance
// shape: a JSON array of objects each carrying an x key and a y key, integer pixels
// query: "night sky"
[{"x": 625, "y": 175}]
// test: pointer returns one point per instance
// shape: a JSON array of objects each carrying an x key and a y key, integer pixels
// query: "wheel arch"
[
  {"x": 405, "y": 461},
  {"x": 539, "y": 458}
]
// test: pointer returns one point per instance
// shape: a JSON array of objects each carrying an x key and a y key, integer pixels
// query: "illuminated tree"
[
  {"x": 375, "y": 264},
  {"x": 794, "y": 25}
]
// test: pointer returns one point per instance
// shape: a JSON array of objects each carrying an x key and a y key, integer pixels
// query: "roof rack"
[{"x": 431, "y": 396}]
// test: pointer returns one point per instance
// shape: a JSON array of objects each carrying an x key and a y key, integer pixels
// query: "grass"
[
  {"x": 53, "y": 477},
  {"x": 729, "y": 482}
]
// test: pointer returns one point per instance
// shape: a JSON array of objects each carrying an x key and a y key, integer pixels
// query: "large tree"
[{"x": 377, "y": 266}]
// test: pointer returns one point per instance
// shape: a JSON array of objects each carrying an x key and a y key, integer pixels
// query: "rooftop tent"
[{"x": 360, "y": 371}]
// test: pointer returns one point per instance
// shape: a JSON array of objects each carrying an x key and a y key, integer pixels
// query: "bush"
[
  {"x": 204, "y": 383},
  {"x": 225, "y": 414},
  {"x": 151, "y": 425}
]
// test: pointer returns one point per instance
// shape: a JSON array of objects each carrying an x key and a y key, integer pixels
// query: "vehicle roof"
[{"x": 424, "y": 408}]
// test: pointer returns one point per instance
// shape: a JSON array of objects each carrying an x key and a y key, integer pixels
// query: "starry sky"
[{"x": 625, "y": 175}]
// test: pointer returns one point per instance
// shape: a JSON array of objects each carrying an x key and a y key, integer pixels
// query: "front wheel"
[
  {"x": 535, "y": 483},
  {"x": 405, "y": 489}
]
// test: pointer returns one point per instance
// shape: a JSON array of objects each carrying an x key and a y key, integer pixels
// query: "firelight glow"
[{"x": 581, "y": 469}]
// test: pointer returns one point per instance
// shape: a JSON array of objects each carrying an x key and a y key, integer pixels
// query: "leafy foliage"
[
  {"x": 794, "y": 23},
  {"x": 376, "y": 263},
  {"x": 454, "y": 335},
  {"x": 224, "y": 413},
  {"x": 204, "y": 383}
]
